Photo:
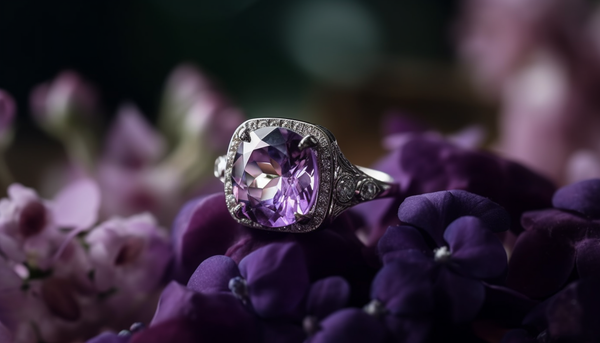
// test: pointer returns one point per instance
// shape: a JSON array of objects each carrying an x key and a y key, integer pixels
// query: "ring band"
[{"x": 290, "y": 176}]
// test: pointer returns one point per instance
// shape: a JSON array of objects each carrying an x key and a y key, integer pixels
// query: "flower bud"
[{"x": 65, "y": 100}]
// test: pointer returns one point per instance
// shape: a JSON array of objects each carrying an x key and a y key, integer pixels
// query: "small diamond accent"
[
  {"x": 345, "y": 188},
  {"x": 369, "y": 190}
]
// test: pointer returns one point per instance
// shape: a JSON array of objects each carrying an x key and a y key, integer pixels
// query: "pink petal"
[
  {"x": 76, "y": 206},
  {"x": 11, "y": 248}
]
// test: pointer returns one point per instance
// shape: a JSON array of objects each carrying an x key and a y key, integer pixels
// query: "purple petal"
[
  {"x": 470, "y": 137},
  {"x": 176, "y": 301},
  {"x": 349, "y": 326},
  {"x": 523, "y": 190},
  {"x": 187, "y": 316},
  {"x": 588, "y": 258},
  {"x": 566, "y": 222},
  {"x": 476, "y": 251},
  {"x": 203, "y": 228},
  {"x": 7, "y": 336},
  {"x": 213, "y": 275},
  {"x": 109, "y": 337},
  {"x": 401, "y": 238},
  {"x": 433, "y": 212},
  {"x": 253, "y": 240},
  {"x": 404, "y": 286},
  {"x": 541, "y": 262},
  {"x": 327, "y": 296},
  {"x": 458, "y": 297},
  {"x": 77, "y": 205},
  {"x": 582, "y": 197},
  {"x": 574, "y": 313},
  {"x": 277, "y": 279},
  {"x": 132, "y": 142}
]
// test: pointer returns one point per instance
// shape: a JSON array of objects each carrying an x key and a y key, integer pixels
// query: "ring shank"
[{"x": 376, "y": 174}]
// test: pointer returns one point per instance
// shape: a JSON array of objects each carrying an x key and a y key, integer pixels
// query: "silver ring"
[{"x": 290, "y": 176}]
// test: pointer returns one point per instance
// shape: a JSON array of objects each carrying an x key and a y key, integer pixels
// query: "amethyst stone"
[{"x": 273, "y": 179}]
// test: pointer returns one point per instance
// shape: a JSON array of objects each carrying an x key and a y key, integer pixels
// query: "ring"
[{"x": 291, "y": 176}]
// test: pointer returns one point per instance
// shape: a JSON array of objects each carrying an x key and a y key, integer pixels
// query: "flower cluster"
[
  {"x": 428, "y": 278},
  {"x": 63, "y": 275},
  {"x": 138, "y": 167}
]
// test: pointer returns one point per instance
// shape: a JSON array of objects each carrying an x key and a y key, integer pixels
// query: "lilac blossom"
[
  {"x": 30, "y": 226},
  {"x": 129, "y": 253},
  {"x": 570, "y": 230},
  {"x": 131, "y": 181}
]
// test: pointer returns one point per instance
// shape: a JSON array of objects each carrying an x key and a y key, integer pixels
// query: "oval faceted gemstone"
[{"x": 273, "y": 179}]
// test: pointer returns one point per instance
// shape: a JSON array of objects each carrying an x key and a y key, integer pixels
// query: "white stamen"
[{"x": 442, "y": 254}]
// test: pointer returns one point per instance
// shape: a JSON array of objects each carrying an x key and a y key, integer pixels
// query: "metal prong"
[
  {"x": 308, "y": 142},
  {"x": 220, "y": 166},
  {"x": 237, "y": 210},
  {"x": 303, "y": 218},
  {"x": 245, "y": 135}
]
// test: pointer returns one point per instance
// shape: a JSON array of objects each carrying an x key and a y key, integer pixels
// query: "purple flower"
[
  {"x": 269, "y": 296},
  {"x": 572, "y": 315},
  {"x": 426, "y": 163},
  {"x": 443, "y": 268},
  {"x": 184, "y": 315},
  {"x": 204, "y": 228},
  {"x": 558, "y": 241}
]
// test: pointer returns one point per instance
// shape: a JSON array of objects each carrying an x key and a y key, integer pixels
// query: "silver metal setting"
[{"x": 355, "y": 183}]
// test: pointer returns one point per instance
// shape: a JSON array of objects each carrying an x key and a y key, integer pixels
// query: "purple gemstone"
[{"x": 273, "y": 179}]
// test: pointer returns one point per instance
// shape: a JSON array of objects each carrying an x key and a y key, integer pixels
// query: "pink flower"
[
  {"x": 67, "y": 95},
  {"x": 129, "y": 253},
  {"x": 30, "y": 227},
  {"x": 132, "y": 143}
]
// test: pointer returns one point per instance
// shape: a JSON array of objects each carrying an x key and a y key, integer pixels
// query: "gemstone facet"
[{"x": 275, "y": 181}]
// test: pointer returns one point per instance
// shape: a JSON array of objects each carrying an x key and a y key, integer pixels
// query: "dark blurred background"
[{"x": 341, "y": 63}]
